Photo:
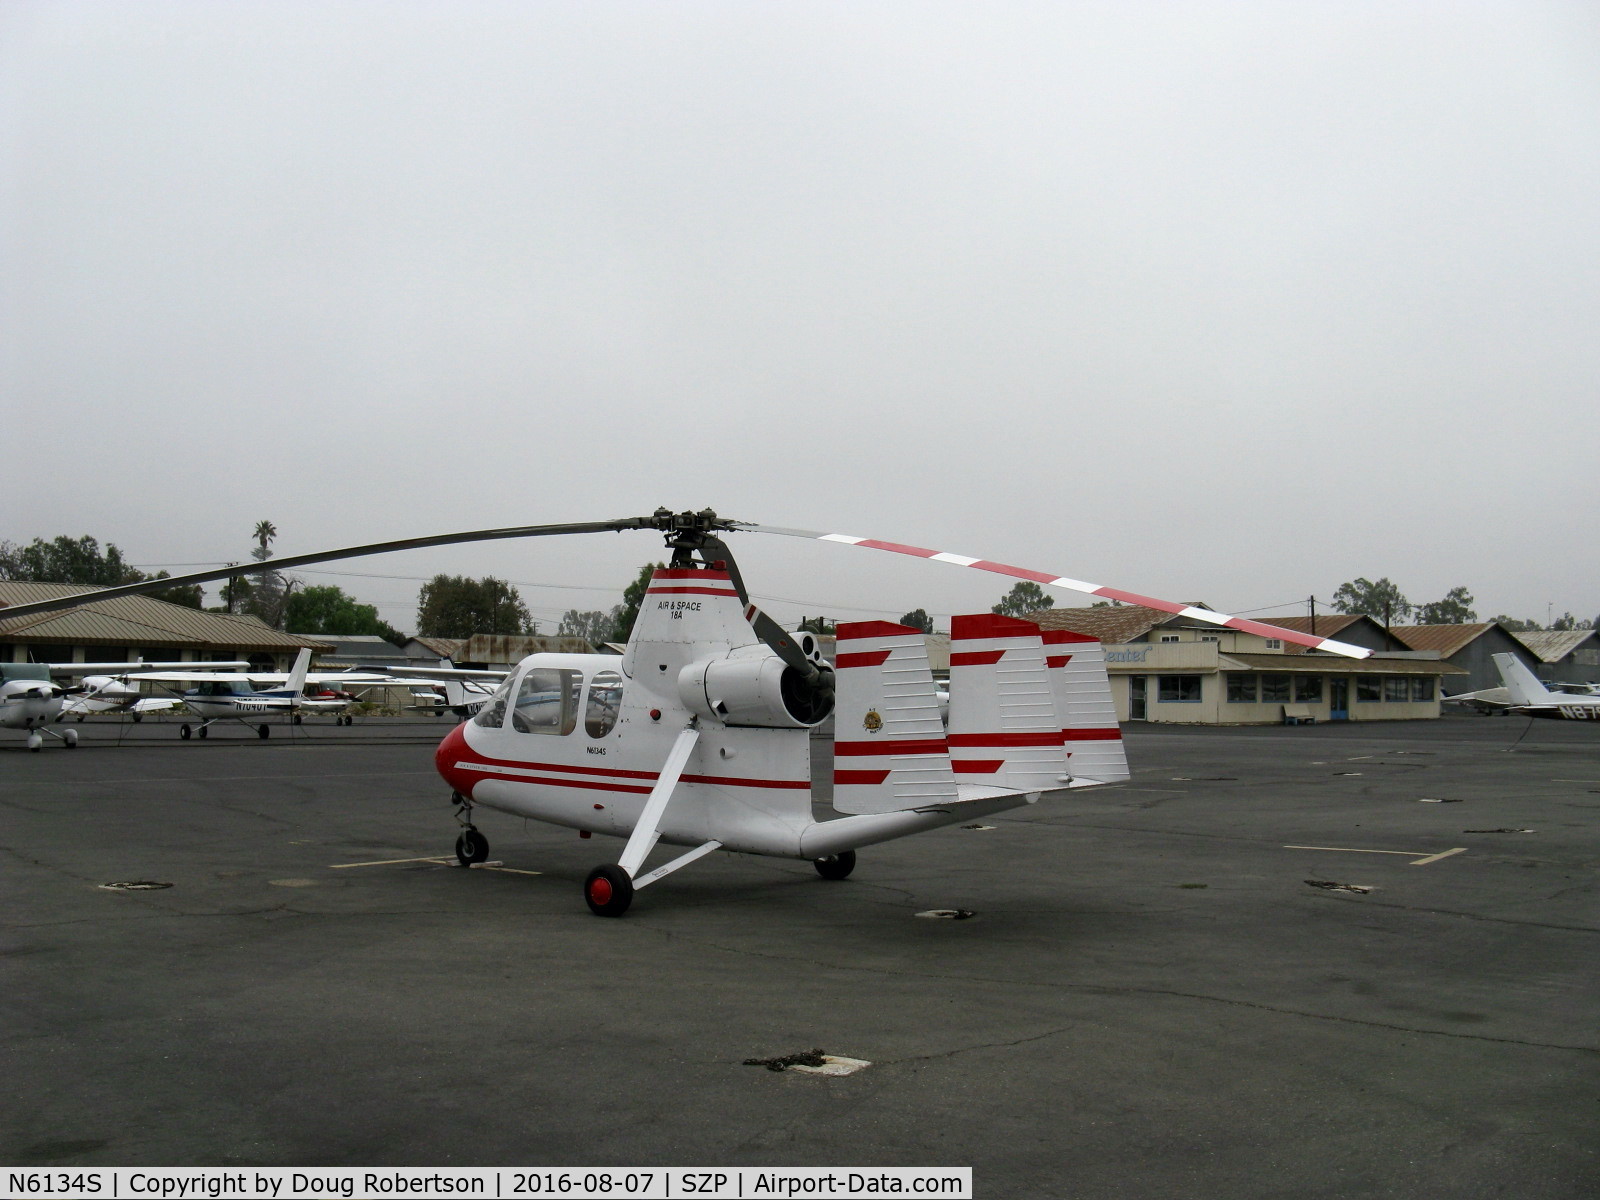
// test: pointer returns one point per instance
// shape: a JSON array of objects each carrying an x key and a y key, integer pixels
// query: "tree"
[
  {"x": 1454, "y": 609},
  {"x": 820, "y": 626},
  {"x": 918, "y": 619},
  {"x": 81, "y": 561},
  {"x": 1024, "y": 598},
  {"x": 1566, "y": 621},
  {"x": 269, "y": 591},
  {"x": 1382, "y": 601},
  {"x": 67, "y": 560},
  {"x": 331, "y": 610},
  {"x": 632, "y": 598},
  {"x": 457, "y": 606},
  {"x": 1515, "y": 625},
  {"x": 593, "y": 626}
]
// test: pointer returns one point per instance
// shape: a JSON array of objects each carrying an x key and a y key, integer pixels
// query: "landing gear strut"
[{"x": 471, "y": 846}]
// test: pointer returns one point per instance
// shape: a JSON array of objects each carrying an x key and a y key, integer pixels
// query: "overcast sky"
[{"x": 1228, "y": 302}]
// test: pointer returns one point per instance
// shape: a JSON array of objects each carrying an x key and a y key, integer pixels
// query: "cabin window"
[
  {"x": 1178, "y": 689},
  {"x": 1275, "y": 689},
  {"x": 1308, "y": 689},
  {"x": 605, "y": 700},
  {"x": 493, "y": 713},
  {"x": 1421, "y": 689},
  {"x": 1241, "y": 689},
  {"x": 547, "y": 702}
]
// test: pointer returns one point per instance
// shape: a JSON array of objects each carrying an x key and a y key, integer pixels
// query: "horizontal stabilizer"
[{"x": 889, "y": 750}]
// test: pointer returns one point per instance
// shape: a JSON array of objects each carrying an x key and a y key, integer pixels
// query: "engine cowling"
[{"x": 761, "y": 691}]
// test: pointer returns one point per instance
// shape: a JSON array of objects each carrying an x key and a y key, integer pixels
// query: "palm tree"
[{"x": 265, "y": 532}]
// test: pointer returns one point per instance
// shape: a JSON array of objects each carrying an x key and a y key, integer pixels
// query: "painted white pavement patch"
[{"x": 1422, "y": 861}]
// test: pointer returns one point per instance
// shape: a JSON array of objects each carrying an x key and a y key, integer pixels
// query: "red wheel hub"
[{"x": 600, "y": 890}]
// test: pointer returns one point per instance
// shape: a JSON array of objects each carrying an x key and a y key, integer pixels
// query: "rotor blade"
[
  {"x": 1261, "y": 628},
  {"x": 300, "y": 560}
]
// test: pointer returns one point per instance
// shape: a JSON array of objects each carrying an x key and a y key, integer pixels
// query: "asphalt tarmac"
[{"x": 1150, "y": 998}]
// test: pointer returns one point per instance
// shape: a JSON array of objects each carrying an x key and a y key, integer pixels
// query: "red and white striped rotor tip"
[{"x": 1045, "y": 579}]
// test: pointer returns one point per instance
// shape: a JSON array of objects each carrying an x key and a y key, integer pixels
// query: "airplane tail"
[
  {"x": 889, "y": 749},
  {"x": 1004, "y": 728},
  {"x": 1524, "y": 687},
  {"x": 1089, "y": 730},
  {"x": 296, "y": 684}
]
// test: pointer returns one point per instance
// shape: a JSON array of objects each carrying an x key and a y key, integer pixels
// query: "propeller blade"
[
  {"x": 1076, "y": 585},
  {"x": 301, "y": 560}
]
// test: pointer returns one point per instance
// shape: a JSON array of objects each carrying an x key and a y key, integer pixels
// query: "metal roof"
[
  {"x": 1111, "y": 624},
  {"x": 136, "y": 621},
  {"x": 1339, "y": 666},
  {"x": 1448, "y": 640},
  {"x": 1552, "y": 645}
]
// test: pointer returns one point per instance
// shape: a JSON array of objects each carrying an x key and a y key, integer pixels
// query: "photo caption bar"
[{"x": 497, "y": 1183}]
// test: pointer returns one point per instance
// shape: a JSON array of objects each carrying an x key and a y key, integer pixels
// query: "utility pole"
[{"x": 1313, "y": 601}]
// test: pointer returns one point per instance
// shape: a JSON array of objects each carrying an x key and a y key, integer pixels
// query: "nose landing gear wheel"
[
  {"x": 836, "y": 866},
  {"x": 71, "y": 738},
  {"x": 472, "y": 847},
  {"x": 608, "y": 890}
]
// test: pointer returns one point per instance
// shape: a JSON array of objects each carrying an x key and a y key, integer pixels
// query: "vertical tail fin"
[
  {"x": 1089, "y": 730},
  {"x": 1004, "y": 728},
  {"x": 297, "y": 673},
  {"x": 889, "y": 749},
  {"x": 1523, "y": 685}
]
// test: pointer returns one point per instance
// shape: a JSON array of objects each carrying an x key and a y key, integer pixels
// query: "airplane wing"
[
  {"x": 120, "y": 669},
  {"x": 430, "y": 674}
]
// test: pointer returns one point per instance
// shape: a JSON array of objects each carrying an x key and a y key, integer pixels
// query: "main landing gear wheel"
[
  {"x": 185, "y": 731},
  {"x": 472, "y": 847},
  {"x": 203, "y": 731},
  {"x": 70, "y": 737},
  {"x": 35, "y": 740},
  {"x": 836, "y": 866},
  {"x": 609, "y": 890},
  {"x": 263, "y": 731},
  {"x": 298, "y": 718}
]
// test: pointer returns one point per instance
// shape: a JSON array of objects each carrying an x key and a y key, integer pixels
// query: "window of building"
[
  {"x": 1241, "y": 688},
  {"x": 605, "y": 701},
  {"x": 1369, "y": 689},
  {"x": 1308, "y": 689},
  {"x": 1396, "y": 690},
  {"x": 1421, "y": 688},
  {"x": 1178, "y": 689},
  {"x": 1210, "y": 637},
  {"x": 1170, "y": 637},
  {"x": 1275, "y": 689},
  {"x": 547, "y": 701},
  {"x": 1274, "y": 643}
]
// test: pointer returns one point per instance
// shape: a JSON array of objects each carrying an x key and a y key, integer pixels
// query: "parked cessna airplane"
[
  {"x": 31, "y": 699},
  {"x": 112, "y": 694},
  {"x": 699, "y": 735},
  {"x": 1529, "y": 695},
  {"x": 252, "y": 696}
]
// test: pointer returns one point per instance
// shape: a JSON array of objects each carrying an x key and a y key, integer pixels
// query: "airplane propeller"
[{"x": 694, "y": 533}]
